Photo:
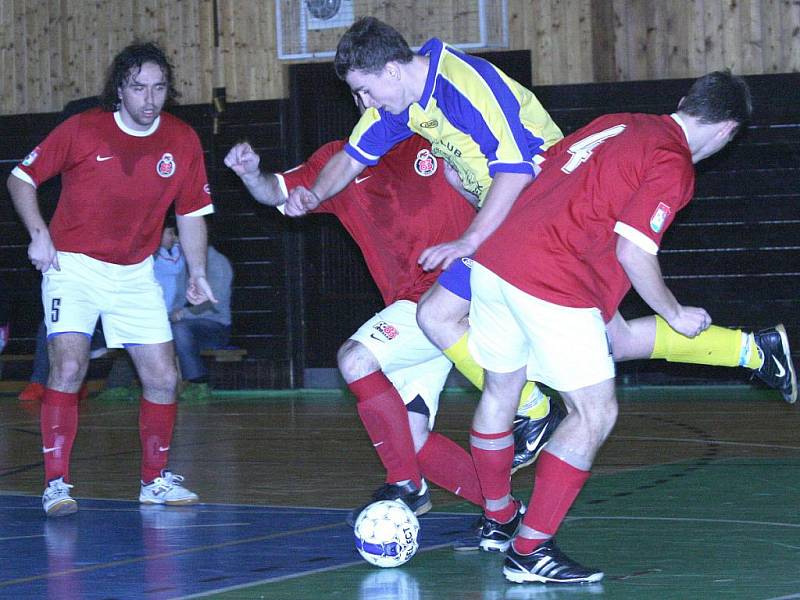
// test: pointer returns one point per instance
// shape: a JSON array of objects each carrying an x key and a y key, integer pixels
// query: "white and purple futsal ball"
[{"x": 386, "y": 533}]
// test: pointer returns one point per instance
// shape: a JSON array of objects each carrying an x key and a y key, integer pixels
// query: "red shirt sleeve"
[
  {"x": 53, "y": 155},
  {"x": 306, "y": 174},
  {"x": 195, "y": 192},
  {"x": 668, "y": 186}
]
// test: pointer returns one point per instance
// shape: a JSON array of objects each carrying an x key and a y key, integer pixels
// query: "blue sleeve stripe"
[
  {"x": 499, "y": 167},
  {"x": 486, "y": 86},
  {"x": 363, "y": 158}
]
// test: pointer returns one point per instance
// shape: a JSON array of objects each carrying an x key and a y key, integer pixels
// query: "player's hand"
[
  {"x": 199, "y": 291},
  {"x": 690, "y": 321},
  {"x": 301, "y": 201},
  {"x": 42, "y": 253},
  {"x": 444, "y": 254},
  {"x": 243, "y": 160}
]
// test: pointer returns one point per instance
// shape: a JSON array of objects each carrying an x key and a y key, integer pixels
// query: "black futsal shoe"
[
  {"x": 778, "y": 369},
  {"x": 530, "y": 435},
  {"x": 417, "y": 499},
  {"x": 496, "y": 537},
  {"x": 547, "y": 564}
]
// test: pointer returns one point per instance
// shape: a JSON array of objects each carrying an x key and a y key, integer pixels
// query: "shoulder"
[{"x": 178, "y": 127}]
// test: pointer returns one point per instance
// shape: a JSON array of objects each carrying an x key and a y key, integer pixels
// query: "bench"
[{"x": 225, "y": 354}]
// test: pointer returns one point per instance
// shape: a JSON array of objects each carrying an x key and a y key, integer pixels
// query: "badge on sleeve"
[
  {"x": 166, "y": 166},
  {"x": 659, "y": 217},
  {"x": 29, "y": 160}
]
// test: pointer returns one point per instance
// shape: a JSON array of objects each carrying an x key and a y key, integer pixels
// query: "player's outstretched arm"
[
  {"x": 337, "y": 173},
  {"x": 41, "y": 251},
  {"x": 264, "y": 187},
  {"x": 644, "y": 271}
]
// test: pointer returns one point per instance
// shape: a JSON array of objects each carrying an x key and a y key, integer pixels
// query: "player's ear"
[{"x": 392, "y": 70}]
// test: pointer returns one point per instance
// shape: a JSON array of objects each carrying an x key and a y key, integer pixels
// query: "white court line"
[
  {"x": 688, "y": 520},
  {"x": 703, "y": 441},
  {"x": 297, "y": 575}
]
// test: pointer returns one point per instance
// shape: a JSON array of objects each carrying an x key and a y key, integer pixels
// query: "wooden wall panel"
[{"x": 56, "y": 51}]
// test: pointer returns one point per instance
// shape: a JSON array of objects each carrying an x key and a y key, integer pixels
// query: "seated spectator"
[
  {"x": 169, "y": 267},
  {"x": 206, "y": 326}
]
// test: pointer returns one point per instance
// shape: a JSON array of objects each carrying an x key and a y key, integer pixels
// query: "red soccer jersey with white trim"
[
  {"x": 116, "y": 187},
  {"x": 393, "y": 211},
  {"x": 623, "y": 174}
]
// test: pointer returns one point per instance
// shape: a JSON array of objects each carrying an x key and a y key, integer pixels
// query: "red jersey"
[
  {"x": 623, "y": 174},
  {"x": 117, "y": 184},
  {"x": 393, "y": 211}
]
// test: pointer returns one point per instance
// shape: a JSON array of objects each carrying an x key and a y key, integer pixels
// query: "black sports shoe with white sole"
[
  {"x": 530, "y": 435},
  {"x": 778, "y": 370},
  {"x": 547, "y": 564},
  {"x": 417, "y": 499},
  {"x": 496, "y": 537}
]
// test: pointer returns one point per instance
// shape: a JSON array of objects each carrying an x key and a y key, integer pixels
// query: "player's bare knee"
[
  {"x": 162, "y": 381},
  {"x": 68, "y": 372},
  {"x": 356, "y": 361}
]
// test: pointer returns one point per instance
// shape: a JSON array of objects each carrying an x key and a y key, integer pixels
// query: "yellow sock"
[
  {"x": 533, "y": 403},
  {"x": 717, "y": 346},
  {"x": 463, "y": 361}
]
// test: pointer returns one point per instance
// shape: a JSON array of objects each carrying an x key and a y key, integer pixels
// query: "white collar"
[
  {"x": 677, "y": 118},
  {"x": 135, "y": 132}
]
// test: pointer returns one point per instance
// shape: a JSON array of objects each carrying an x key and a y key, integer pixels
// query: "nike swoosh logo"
[
  {"x": 162, "y": 449},
  {"x": 46, "y": 450},
  {"x": 376, "y": 338},
  {"x": 781, "y": 370},
  {"x": 531, "y": 446},
  {"x": 103, "y": 158},
  {"x": 360, "y": 179}
]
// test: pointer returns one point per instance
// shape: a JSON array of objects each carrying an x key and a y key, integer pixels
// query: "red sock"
[
  {"x": 59, "y": 425},
  {"x": 492, "y": 454},
  {"x": 156, "y": 422},
  {"x": 555, "y": 488},
  {"x": 386, "y": 420},
  {"x": 449, "y": 466}
]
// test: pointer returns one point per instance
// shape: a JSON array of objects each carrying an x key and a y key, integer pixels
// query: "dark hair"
[
  {"x": 718, "y": 96},
  {"x": 368, "y": 45},
  {"x": 133, "y": 57}
]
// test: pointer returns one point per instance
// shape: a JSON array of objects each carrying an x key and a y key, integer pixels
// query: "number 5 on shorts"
[{"x": 55, "y": 310}]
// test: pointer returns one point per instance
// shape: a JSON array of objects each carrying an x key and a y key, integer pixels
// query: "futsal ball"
[{"x": 386, "y": 533}]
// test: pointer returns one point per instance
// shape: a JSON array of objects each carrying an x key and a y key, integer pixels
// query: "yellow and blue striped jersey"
[{"x": 476, "y": 117}]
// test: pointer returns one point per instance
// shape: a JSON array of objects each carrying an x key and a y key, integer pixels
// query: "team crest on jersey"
[
  {"x": 166, "y": 166},
  {"x": 425, "y": 163},
  {"x": 388, "y": 331},
  {"x": 31, "y": 158},
  {"x": 659, "y": 216}
]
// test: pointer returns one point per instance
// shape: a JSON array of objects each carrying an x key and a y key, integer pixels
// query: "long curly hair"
[{"x": 130, "y": 58}]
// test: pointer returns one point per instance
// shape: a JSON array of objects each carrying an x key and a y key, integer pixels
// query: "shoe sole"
[
  {"x": 524, "y": 577},
  {"x": 494, "y": 546},
  {"x": 462, "y": 546},
  {"x": 528, "y": 462},
  {"x": 170, "y": 502},
  {"x": 62, "y": 508},
  {"x": 792, "y": 375}
]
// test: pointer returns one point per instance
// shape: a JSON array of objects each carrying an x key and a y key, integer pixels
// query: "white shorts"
[
  {"x": 127, "y": 298},
  {"x": 407, "y": 357},
  {"x": 562, "y": 347}
]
